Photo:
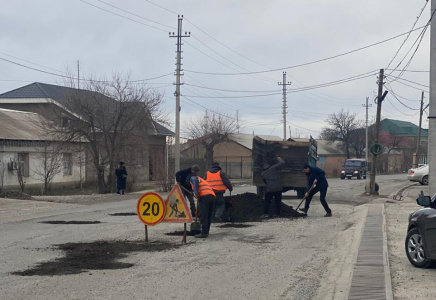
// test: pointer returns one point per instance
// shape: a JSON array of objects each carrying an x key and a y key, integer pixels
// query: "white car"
[{"x": 419, "y": 174}]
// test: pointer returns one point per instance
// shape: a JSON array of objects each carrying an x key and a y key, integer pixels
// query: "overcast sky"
[{"x": 270, "y": 34}]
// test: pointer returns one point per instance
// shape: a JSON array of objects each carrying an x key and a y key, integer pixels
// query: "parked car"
[
  {"x": 421, "y": 234},
  {"x": 419, "y": 175},
  {"x": 354, "y": 168}
]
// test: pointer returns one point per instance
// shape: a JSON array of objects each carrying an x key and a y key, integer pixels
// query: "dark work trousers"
[
  {"x": 191, "y": 202},
  {"x": 206, "y": 204},
  {"x": 277, "y": 198},
  {"x": 219, "y": 204},
  {"x": 322, "y": 194}
]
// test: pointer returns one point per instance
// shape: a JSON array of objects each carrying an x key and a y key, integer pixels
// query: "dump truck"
[{"x": 295, "y": 152}]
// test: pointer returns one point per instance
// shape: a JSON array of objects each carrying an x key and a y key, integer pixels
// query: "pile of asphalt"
[
  {"x": 14, "y": 194},
  {"x": 248, "y": 207}
]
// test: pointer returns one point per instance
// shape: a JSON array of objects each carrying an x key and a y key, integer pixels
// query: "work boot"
[
  {"x": 264, "y": 216},
  {"x": 303, "y": 210},
  {"x": 328, "y": 215},
  {"x": 201, "y": 236}
]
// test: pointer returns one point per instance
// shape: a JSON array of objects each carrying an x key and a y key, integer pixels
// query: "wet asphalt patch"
[
  {"x": 180, "y": 233},
  {"x": 235, "y": 225},
  {"x": 71, "y": 222},
  {"x": 123, "y": 214},
  {"x": 98, "y": 255}
]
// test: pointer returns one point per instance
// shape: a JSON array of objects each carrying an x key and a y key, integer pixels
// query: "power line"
[
  {"x": 111, "y": 12},
  {"x": 233, "y": 91},
  {"x": 408, "y": 35},
  {"x": 308, "y": 63},
  {"x": 410, "y": 82}
]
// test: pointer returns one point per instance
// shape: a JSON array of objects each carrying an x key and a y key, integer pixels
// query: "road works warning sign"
[
  {"x": 151, "y": 209},
  {"x": 177, "y": 210}
]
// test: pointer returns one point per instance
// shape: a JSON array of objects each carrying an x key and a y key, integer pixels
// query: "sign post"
[
  {"x": 151, "y": 210},
  {"x": 177, "y": 210}
]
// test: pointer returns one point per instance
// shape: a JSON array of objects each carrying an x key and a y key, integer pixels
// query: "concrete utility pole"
[
  {"x": 432, "y": 108},
  {"x": 237, "y": 120},
  {"x": 380, "y": 98},
  {"x": 366, "y": 129},
  {"x": 80, "y": 141},
  {"x": 418, "y": 140},
  {"x": 178, "y": 74},
  {"x": 284, "y": 84}
]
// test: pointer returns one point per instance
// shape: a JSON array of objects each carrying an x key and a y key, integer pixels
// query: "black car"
[
  {"x": 355, "y": 167},
  {"x": 421, "y": 234}
]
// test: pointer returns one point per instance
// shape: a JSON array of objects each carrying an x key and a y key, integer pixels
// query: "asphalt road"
[{"x": 277, "y": 259}]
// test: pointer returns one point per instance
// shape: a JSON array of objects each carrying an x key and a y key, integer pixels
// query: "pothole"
[
  {"x": 98, "y": 255},
  {"x": 71, "y": 222},
  {"x": 123, "y": 214},
  {"x": 235, "y": 225}
]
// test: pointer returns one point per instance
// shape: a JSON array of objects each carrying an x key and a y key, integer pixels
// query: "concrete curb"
[{"x": 387, "y": 267}]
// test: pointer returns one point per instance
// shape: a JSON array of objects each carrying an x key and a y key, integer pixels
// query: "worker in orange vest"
[
  {"x": 219, "y": 182},
  {"x": 206, "y": 199}
]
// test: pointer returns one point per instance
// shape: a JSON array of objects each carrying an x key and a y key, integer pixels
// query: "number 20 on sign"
[{"x": 151, "y": 209}]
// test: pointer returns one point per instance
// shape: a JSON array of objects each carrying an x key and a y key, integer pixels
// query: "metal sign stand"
[
  {"x": 146, "y": 234},
  {"x": 184, "y": 234}
]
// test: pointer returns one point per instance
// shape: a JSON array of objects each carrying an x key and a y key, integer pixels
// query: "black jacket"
[
  {"x": 319, "y": 175},
  {"x": 184, "y": 177},
  {"x": 224, "y": 177},
  {"x": 272, "y": 177}
]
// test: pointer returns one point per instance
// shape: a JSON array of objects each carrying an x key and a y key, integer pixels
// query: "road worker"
[
  {"x": 274, "y": 188},
  {"x": 316, "y": 176},
  {"x": 206, "y": 199},
  {"x": 183, "y": 178},
  {"x": 219, "y": 182}
]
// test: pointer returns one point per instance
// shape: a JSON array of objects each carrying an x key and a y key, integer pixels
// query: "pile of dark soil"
[
  {"x": 248, "y": 207},
  {"x": 180, "y": 233},
  {"x": 71, "y": 222},
  {"x": 99, "y": 255},
  {"x": 13, "y": 194},
  {"x": 123, "y": 214}
]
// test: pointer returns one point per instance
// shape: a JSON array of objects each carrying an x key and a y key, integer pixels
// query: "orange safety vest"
[
  {"x": 203, "y": 188},
  {"x": 215, "y": 181}
]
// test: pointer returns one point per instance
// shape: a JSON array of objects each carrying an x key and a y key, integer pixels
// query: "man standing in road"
[
  {"x": 219, "y": 182},
  {"x": 206, "y": 199},
  {"x": 274, "y": 188},
  {"x": 316, "y": 176},
  {"x": 183, "y": 178}
]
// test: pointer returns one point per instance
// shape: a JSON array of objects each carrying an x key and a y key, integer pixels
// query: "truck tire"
[{"x": 300, "y": 193}]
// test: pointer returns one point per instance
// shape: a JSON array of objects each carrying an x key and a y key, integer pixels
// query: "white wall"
[{"x": 9, "y": 153}]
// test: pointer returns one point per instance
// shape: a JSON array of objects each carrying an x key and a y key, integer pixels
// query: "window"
[
  {"x": 65, "y": 122},
  {"x": 68, "y": 164},
  {"x": 23, "y": 164}
]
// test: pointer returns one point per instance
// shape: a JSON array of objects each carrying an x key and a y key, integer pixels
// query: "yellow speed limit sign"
[{"x": 151, "y": 209}]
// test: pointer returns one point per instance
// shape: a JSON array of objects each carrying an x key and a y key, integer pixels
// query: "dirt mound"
[
  {"x": 15, "y": 195},
  {"x": 99, "y": 255},
  {"x": 180, "y": 233},
  {"x": 248, "y": 207},
  {"x": 235, "y": 225},
  {"x": 123, "y": 214}
]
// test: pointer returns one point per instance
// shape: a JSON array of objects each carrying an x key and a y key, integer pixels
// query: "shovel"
[
  {"x": 304, "y": 198},
  {"x": 194, "y": 226}
]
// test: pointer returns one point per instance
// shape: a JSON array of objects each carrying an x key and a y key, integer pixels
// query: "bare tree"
[
  {"x": 343, "y": 124},
  {"x": 211, "y": 130},
  {"x": 50, "y": 162},
  {"x": 358, "y": 139},
  {"x": 112, "y": 118}
]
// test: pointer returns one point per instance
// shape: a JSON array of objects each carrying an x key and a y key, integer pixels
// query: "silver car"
[{"x": 419, "y": 175}]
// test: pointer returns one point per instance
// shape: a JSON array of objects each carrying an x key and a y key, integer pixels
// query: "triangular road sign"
[{"x": 177, "y": 210}]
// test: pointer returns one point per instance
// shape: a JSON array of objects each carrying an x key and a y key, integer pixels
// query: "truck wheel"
[{"x": 300, "y": 193}]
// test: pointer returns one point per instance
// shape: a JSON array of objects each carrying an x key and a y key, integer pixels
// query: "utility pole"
[
  {"x": 418, "y": 140},
  {"x": 284, "y": 84},
  {"x": 432, "y": 103},
  {"x": 366, "y": 129},
  {"x": 178, "y": 74},
  {"x": 80, "y": 141},
  {"x": 380, "y": 98},
  {"x": 237, "y": 120}
]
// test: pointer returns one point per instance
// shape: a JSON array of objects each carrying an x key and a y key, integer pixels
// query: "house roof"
[
  {"x": 401, "y": 128},
  {"x": 18, "y": 125},
  {"x": 327, "y": 148},
  {"x": 246, "y": 140},
  {"x": 61, "y": 94}
]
